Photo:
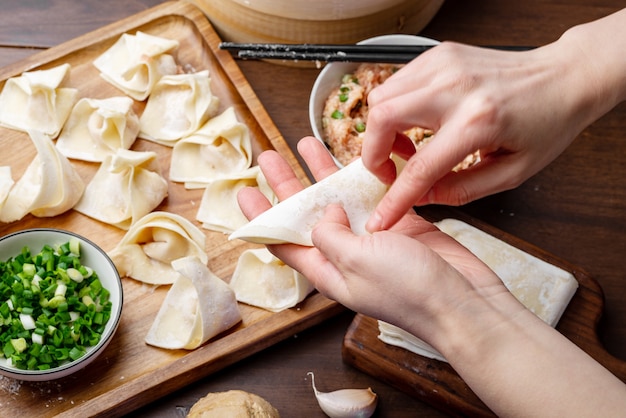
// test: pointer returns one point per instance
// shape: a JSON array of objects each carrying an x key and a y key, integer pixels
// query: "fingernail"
[{"x": 374, "y": 223}]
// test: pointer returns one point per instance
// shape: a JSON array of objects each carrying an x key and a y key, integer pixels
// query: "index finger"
[{"x": 433, "y": 161}]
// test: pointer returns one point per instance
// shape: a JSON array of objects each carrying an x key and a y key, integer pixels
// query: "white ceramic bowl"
[
  {"x": 330, "y": 77},
  {"x": 91, "y": 256}
]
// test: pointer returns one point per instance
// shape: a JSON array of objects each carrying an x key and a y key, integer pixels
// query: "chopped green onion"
[
  {"x": 37, "y": 338},
  {"x": 349, "y": 78},
  {"x": 27, "y": 321},
  {"x": 74, "y": 245},
  {"x": 337, "y": 114},
  {"x": 52, "y": 308},
  {"x": 360, "y": 127},
  {"x": 28, "y": 269},
  {"x": 61, "y": 289},
  {"x": 75, "y": 275},
  {"x": 19, "y": 344}
]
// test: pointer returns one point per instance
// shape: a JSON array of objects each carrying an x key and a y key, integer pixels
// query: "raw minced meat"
[
  {"x": 344, "y": 117},
  {"x": 345, "y": 111}
]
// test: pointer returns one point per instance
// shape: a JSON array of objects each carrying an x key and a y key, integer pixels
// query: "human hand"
[
  {"x": 519, "y": 109},
  {"x": 423, "y": 281},
  {"x": 405, "y": 276}
]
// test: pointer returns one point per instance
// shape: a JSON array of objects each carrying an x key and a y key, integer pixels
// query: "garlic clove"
[{"x": 346, "y": 403}]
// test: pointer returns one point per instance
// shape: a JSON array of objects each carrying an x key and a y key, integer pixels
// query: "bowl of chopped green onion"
[
  {"x": 60, "y": 303},
  {"x": 338, "y": 99}
]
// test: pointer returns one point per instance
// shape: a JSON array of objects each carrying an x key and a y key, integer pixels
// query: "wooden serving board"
[
  {"x": 435, "y": 382},
  {"x": 130, "y": 373}
]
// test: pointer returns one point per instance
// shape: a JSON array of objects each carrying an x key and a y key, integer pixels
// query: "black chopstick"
[
  {"x": 336, "y": 53},
  {"x": 328, "y": 56}
]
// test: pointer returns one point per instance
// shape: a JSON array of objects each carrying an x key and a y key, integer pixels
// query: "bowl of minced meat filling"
[{"x": 338, "y": 103}]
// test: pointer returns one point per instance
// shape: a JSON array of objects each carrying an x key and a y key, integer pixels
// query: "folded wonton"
[
  {"x": 293, "y": 219},
  {"x": 260, "y": 279},
  {"x": 147, "y": 250},
  {"x": 219, "y": 209},
  {"x": 135, "y": 63},
  {"x": 198, "y": 306},
  {"x": 6, "y": 182},
  {"x": 221, "y": 147},
  {"x": 98, "y": 128},
  {"x": 543, "y": 288},
  {"x": 36, "y": 101},
  {"x": 127, "y": 186},
  {"x": 178, "y": 105},
  {"x": 48, "y": 187}
]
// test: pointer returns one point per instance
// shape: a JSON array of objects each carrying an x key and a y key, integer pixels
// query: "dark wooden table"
[{"x": 575, "y": 208}]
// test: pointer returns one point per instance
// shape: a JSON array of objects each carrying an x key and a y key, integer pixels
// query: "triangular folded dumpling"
[
  {"x": 221, "y": 147},
  {"x": 261, "y": 279},
  {"x": 49, "y": 186},
  {"x": 36, "y": 101},
  {"x": 178, "y": 105},
  {"x": 198, "y": 306},
  {"x": 147, "y": 250},
  {"x": 135, "y": 63},
  {"x": 97, "y": 128},
  {"x": 127, "y": 186},
  {"x": 292, "y": 220},
  {"x": 219, "y": 209}
]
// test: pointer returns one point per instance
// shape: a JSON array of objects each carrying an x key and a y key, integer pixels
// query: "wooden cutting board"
[
  {"x": 435, "y": 382},
  {"x": 130, "y": 373}
]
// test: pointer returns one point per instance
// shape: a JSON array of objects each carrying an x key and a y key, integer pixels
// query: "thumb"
[{"x": 332, "y": 228}]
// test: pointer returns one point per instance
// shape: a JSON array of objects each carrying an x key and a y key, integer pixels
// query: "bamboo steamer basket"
[{"x": 316, "y": 21}]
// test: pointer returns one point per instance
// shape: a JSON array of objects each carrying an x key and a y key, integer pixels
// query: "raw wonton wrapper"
[
  {"x": 147, "y": 250},
  {"x": 36, "y": 101},
  {"x": 543, "y": 288},
  {"x": 97, "y": 128},
  {"x": 178, "y": 105},
  {"x": 48, "y": 187},
  {"x": 219, "y": 210},
  {"x": 6, "y": 182},
  {"x": 221, "y": 147},
  {"x": 292, "y": 220},
  {"x": 127, "y": 186},
  {"x": 198, "y": 306},
  {"x": 135, "y": 63},
  {"x": 260, "y": 279}
]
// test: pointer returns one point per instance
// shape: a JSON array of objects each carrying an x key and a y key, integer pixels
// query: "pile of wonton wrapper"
[{"x": 210, "y": 150}]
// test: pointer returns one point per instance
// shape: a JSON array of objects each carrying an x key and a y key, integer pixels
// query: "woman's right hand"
[{"x": 520, "y": 110}]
